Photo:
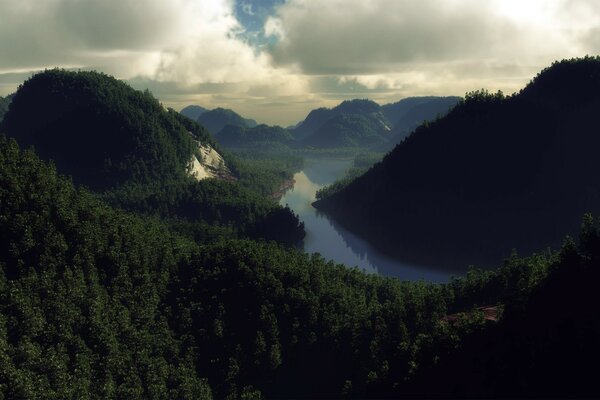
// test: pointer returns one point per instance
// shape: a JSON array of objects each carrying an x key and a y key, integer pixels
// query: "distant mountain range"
[
  {"x": 496, "y": 173},
  {"x": 193, "y": 112},
  {"x": 358, "y": 123}
]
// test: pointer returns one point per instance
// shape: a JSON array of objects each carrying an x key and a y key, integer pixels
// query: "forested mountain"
[
  {"x": 3, "y": 107},
  {"x": 122, "y": 144},
  {"x": 350, "y": 130},
  {"x": 412, "y": 114},
  {"x": 99, "y": 130},
  {"x": 217, "y": 119},
  {"x": 193, "y": 112},
  {"x": 258, "y": 137},
  {"x": 351, "y": 123},
  {"x": 364, "y": 123},
  {"x": 395, "y": 112},
  {"x": 95, "y": 302},
  {"x": 496, "y": 173}
]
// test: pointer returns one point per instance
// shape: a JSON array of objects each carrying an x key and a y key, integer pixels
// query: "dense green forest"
[
  {"x": 3, "y": 107},
  {"x": 97, "y": 302},
  {"x": 125, "y": 146},
  {"x": 497, "y": 173},
  {"x": 132, "y": 287},
  {"x": 261, "y": 138},
  {"x": 264, "y": 173}
]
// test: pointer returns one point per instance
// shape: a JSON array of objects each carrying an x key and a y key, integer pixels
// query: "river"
[{"x": 333, "y": 242}]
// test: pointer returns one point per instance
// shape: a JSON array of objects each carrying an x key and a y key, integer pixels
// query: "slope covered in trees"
[
  {"x": 98, "y": 130},
  {"x": 100, "y": 303},
  {"x": 496, "y": 173},
  {"x": 364, "y": 123},
  {"x": 193, "y": 112},
  {"x": 3, "y": 107},
  {"x": 122, "y": 144},
  {"x": 217, "y": 119},
  {"x": 261, "y": 137},
  {"x": 351, "y": 123}
]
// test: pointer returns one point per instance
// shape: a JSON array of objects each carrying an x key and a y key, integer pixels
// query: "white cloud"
[
  {"x": 379, "y": 36},
  {"x": 317, "y": 51}
]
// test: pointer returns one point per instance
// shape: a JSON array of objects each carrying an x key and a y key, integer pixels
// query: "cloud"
[
  {"x": 381, "y": 36},
  {"x": 253, "y": 55}
]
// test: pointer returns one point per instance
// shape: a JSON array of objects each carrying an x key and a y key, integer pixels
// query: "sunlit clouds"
[{"x": 307, "y": 53}]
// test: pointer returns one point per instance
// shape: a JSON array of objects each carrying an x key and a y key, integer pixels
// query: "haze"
[{"x": 276, "y": 60}]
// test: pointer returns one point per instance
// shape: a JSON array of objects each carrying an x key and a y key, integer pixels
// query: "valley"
[
  {"x": 334, "y": 242},
  {"x": 144, "y": 256}
]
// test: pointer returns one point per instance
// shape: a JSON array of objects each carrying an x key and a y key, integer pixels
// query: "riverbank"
[{"x": 283, "y": 188}]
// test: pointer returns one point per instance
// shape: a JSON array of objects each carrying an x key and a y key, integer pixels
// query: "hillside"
[
  {"x": 3, "y": 107},
  {"x": 395, "y": 112},
  {"x": 193, "y": 112},
  {"x": 349, "y": 130},
  {"x": 217, "y": 119},
  {"x": 351, "y": 123},
  {"x": 97, "y": 302},
  {"x": 126, "y": 148},
  {"x": 98, "y": 129},
  {"x": 426, "y": 110},
  {"x": 258, "y": 137},
  {"x": 496, "y": 173},
  {"x": 364, "y": 123}
]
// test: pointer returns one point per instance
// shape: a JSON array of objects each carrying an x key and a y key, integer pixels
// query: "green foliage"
[
  {"x": 122, "y": 143},
  {"x": 264, "y": 173},
  {"x": 261, "y": 137},
  {"x": 3, "y": 107},
  {"x": 98, "y": 129},
  {"x": 95, "y": 302},
  {"x": 81, "y": 288}
]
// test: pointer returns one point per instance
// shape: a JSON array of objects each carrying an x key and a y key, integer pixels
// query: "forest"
[
  {"x": 129, "y": 279},
  {"x": 497, "y": 173}
]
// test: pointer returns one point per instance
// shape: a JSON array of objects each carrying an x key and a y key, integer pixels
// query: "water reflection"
[{"x": 334, "y": 242}]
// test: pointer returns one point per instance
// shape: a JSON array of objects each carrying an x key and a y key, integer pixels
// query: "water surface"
[{"x": 332, "y": 241}]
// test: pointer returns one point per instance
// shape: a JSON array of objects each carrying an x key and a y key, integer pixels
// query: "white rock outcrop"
[{"x": 207, "y": 163}]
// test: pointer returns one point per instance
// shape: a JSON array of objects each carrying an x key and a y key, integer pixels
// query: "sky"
[{"x": 275, "y": 60}]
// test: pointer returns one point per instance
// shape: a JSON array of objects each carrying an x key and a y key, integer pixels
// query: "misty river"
[{"x": 332, "y": 241}]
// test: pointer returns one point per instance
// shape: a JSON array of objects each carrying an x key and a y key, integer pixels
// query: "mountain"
[
  {"x": 123, "y": 145},
  {"x": 217, "y": 119},
  {"x": 193, "y": 112},
  {"x": 349, "y": 130},
  {"x": 97, "y": 302},
  {"x": 4, "y": 102},
  {"x": 365, "y": 123},
  {"x": 405, "y": 119},
  {"x": 394, "y": 112},
  {"x": 496, "y": 173},
  {"x": 313, "y": 121},
  {"x": 99, "y": 130},
  {"x": 351, "y": 123},
  {"x": 261, "y": 136}
]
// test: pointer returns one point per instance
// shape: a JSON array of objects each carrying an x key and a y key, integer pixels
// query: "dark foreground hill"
[
  {"x": 3, "y": 107},
  {"x": 496, "y": 173}
]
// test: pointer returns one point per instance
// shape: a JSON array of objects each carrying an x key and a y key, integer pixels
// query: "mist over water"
[{"x": 332, "y": 241}]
